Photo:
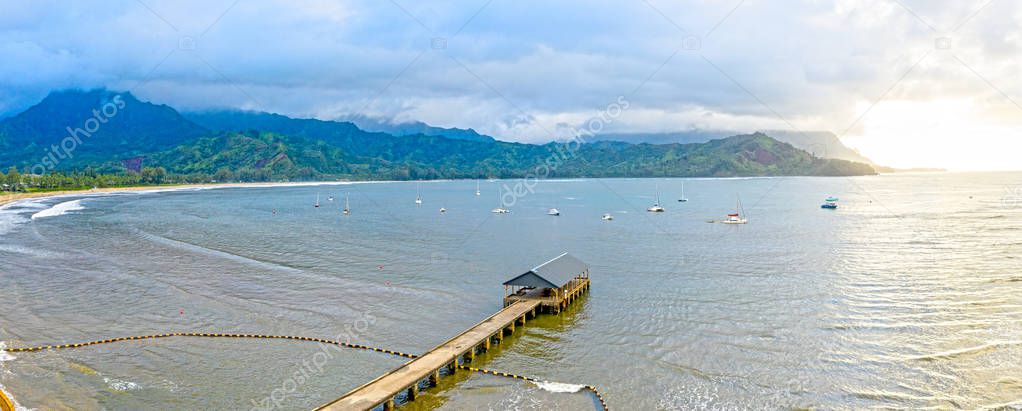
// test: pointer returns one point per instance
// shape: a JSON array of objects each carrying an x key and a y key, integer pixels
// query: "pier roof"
[{"x": 551, "y": 274}]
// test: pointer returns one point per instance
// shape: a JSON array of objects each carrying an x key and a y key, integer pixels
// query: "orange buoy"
[{"x": 5, "y": 403}]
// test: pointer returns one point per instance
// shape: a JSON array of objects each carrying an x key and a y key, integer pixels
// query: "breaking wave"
[
  {"x": 59, "y": 209},
  {"x": 559, "y": 387}
]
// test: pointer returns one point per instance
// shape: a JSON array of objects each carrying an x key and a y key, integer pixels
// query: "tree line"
[{"x": 16, "y": 181}]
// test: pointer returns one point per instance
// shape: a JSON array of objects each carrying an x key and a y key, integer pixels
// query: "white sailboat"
[
  {"x": 683, "y": 198},
  {"x": 317, "y": 201},
  {"x": 418, "y": 195},
  {"x": 347, "y": 209},
  {"x": 500, "y": 206},
  {"x": 607, "y": 217},
  {"x": 443, "y": 210},
  {"x": 554, "y": 211},
  {"x": 738, "y": 217},
  {"x": 656, "y": 208},
  {"x": 477, "y": 187}
]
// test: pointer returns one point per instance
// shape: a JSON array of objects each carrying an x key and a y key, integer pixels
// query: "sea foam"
[
  {"x": 59, "y": 209},
  {"x": 120, "y": 385},
  {"x": 4, "y": 355},
  {"x": 559, "y": 387}
]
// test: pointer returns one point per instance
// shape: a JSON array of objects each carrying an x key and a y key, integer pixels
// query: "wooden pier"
[
  {"x": 556, "y": 301},
  {"x": 535, "y": 291},
  {"x": 408, "y": 377},
  {"x": 555, "y": 284}
]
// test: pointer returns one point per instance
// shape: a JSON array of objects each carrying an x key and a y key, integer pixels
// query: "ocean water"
[{"x": 907, "y": 296}]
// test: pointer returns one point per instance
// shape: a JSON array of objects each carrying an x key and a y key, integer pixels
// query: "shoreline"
[{"x": 8, "y": 199}]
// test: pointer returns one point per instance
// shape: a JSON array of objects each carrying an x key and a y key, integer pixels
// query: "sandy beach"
[{"x": 10, "y": 198}]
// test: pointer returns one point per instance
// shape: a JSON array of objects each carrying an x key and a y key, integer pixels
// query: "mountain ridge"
[
  {"x": 264, "y": 146},
  {"x": 75, "y": 128},
  {"x": 820, "y": 143},
  {"x": 417, "y": 127}
]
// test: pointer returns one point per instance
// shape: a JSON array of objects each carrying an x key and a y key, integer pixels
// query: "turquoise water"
[{"x": 909, "y": 295}]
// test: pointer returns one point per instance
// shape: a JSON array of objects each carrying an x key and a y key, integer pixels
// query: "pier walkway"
[
  {"x": 410, "y": 375},
  {"x": 550, "y": 287}
]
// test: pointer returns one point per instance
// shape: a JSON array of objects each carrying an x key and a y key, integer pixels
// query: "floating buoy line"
[{"x": 5, "y": 402}]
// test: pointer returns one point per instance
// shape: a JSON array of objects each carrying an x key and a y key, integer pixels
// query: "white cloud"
[{"x": 520, "y": 69}]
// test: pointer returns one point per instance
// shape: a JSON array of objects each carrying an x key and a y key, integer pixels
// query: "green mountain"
[
  {"x": 415, "y": 127},
  {"x": 743, "y": 155},
  {"x": 262, "y": 156},
  {"x": 253, "y": 146},
  {"x": 236, "y": 120},
  {"x": 79, "y": 128},
  {"x": 819, "y": 143}
]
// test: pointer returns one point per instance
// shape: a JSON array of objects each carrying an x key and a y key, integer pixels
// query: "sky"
[{"x": 908, "y": 83}]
